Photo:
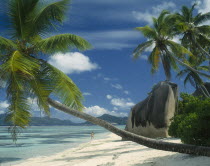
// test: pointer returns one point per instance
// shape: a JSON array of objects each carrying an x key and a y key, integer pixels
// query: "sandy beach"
[{"x": 112, "y": 151}]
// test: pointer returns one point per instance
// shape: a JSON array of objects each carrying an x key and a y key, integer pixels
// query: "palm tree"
[
  {"x": 165, "y": 50},
  {"x": 24, "y": 74},
  {"x": 193, "y": 78},
  {"x": 195, "y": 34}
]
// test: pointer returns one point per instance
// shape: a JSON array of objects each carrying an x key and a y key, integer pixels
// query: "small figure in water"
[{"x": 92, "y": 135}]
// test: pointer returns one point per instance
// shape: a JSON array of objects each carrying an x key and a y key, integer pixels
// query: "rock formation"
[{"x": 151, "y": 117}]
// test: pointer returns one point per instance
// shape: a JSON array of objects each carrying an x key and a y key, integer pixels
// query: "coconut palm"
[
  {"x": 24, "y": 74},
  {"x": 195, "y": 35},
  {"x": 164, "y": 49},
  {"x": 194, "y": 78}
]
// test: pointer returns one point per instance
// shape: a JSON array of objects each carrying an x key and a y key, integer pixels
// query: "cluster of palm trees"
[
  {"x": 192, "y": 52},
  {"x": 24, "y": 72}
]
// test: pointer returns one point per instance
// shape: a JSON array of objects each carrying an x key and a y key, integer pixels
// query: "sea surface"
[{"x": 44, "y": 141}]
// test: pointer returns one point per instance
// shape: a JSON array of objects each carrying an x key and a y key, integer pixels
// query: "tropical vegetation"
[
  {"x": 191, "y": 123},
  {"x": 24, "y": 71}
]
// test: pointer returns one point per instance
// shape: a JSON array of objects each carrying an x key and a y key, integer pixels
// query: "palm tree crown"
[
  {"x": 22, "y": 73},
  {"x": 195, "y": 35},
  {"x": 165, "y": 49}
]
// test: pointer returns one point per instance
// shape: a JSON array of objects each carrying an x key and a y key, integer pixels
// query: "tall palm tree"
[
  {"x": 194, "y": 78},
  {"x": 195, "y": 33},
  {"x": 24, "y": 74},
  {"x": 165, "y": 50}
]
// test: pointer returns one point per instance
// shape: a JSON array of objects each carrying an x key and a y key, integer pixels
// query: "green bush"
[{"x": 192, "y": 122}]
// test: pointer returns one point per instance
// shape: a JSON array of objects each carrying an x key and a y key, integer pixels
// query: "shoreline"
[{"x": 111, "y": 151}]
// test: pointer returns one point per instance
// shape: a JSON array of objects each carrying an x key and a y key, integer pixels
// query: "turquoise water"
[{"x": 44, "y": 141}]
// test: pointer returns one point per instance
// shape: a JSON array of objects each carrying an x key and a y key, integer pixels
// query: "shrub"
[{"x": 192, "y": 122}]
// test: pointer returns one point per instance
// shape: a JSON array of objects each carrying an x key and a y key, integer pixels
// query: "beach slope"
[{"x": 112, "y": 151}]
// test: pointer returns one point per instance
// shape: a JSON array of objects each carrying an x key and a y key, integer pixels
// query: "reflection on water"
[{"x": 44, "y": 140}]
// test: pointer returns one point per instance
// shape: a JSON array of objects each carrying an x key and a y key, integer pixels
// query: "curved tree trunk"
[{"x": 151, "y": 143}]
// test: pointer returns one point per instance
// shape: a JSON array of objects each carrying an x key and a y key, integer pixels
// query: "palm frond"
[
  {"x": 62, "y": 43},
  {"x": 182, "y": 73},
  {"x": 147, "y": 31},
  {"x": 178, "y": 49},
  {"x": 18, "y": 12},
  {"x": 200, "y": 19},
  {"x": 19, "y": 70},
  {"x": 47, "y": 15},
  {"x": 204, "y": 68},
  {"x": 141, "y": 47},
  {"x": 161, "y": 17},
  {"x": 186, "y": 12},
  {"x": 64, "y": 87},
  {"x": 6, "y": 44}
]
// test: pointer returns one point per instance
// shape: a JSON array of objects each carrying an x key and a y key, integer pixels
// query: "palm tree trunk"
[
  {"x": 191, "y": 68},
  {"x": 151, "y": 143}
]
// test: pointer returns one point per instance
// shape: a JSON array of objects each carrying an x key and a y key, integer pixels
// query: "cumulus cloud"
[
  {"x": 204, "y": 7},
  {"x": 122, "y": 103},
  {"x": 154, "y": 12},
  {"x": 3, "y": 106},
  {"x": 74, "y": 62},
  {"x": 108, "y": 96},
  {"x": 98, "y": 111},
  {"x": 117, "y": 86}
]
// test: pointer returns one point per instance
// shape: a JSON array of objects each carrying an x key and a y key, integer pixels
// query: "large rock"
[{"x": 151, "y": 117}]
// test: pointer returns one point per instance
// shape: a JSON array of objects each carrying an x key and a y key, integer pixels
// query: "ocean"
[{"x": 44, "y": 141}]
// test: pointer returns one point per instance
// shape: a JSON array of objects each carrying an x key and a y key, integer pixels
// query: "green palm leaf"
[
  {"x": 19, "y": 70},
  {"x": 141, "y": 48},
  {"x": 63, "y": 43},
  {"x": 147, "y": 32},
  {"x": 64, "y": 87},
  {"x": 6, "y": 44},
  {"x": 46, "y": 15}
]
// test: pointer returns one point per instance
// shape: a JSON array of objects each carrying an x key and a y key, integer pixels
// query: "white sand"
[{"x": 114, "y": 152}]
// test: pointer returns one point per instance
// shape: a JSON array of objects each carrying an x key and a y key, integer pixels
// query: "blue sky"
[{"x": 111, "y": 81}]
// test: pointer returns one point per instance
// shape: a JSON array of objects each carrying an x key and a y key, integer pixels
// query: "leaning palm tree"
[
  {"x": 25, "y": 75},
  {"x": 165, "y": 50},
  {"x": 194, "y": 78},
  {"x": 195, "y": 35}
]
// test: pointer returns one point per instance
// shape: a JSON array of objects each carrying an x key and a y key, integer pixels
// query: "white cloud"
[
  {"x": 154, "y": 12},
  {"x": 204, "y": 7},
  {"x": 3, "y": 106},
  {"x": 87, "y": 94},
  {"x": 117, "y": 86},
  {"x": 126, "y": 92},
  {"x": 121, "y": 103},
  {"x": 115, "y": 108},
  {"x": 107, "y": 78},
  {"x": 108, "y": 96},
  {"x": 74, "y": 62},
  {"x": 98, "y": 111},
  {"x": 95, "y": 110},
  {"x": 112, "y": 39}
]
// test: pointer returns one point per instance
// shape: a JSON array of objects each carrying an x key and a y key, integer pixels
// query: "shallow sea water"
[{"x": 44, "y": 141}]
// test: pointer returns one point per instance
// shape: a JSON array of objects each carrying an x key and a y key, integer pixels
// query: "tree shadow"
[{"x": 8, "y": 159}]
